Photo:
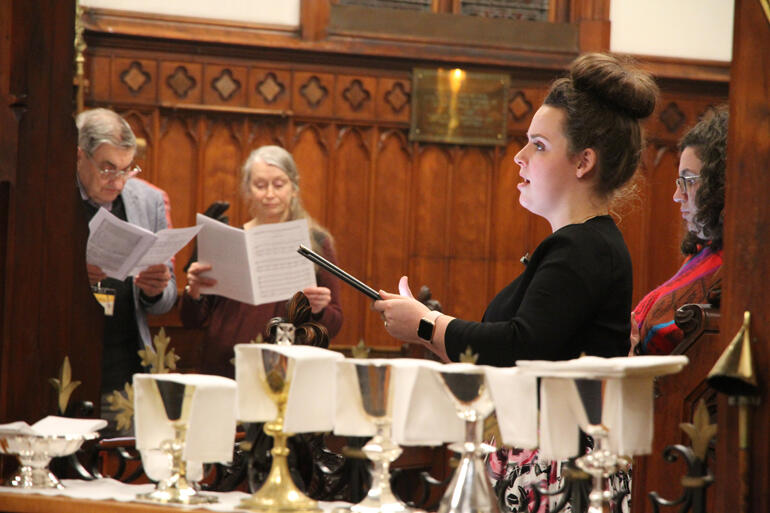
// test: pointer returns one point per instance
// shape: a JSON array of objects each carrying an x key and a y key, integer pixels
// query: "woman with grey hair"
[{"x": 270, "y": 184}]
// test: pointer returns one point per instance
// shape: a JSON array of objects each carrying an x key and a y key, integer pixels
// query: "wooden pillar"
[
  {"x": 314, "y": 18},
  {"x": 747, "y": 248},
  {"x": 47, "y": 309}
]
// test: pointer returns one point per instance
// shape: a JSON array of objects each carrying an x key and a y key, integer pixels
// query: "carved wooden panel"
[
  {"x": 313, "y": 93},
  {"x": 355, "y": 97},
  {"x": 134, "y": 80},
  {"x": 393, "y": 101},
  {"x": 269, "y": 89},
  {"x": 225, "y": 85},
  {"x": 181, "y": 82}
]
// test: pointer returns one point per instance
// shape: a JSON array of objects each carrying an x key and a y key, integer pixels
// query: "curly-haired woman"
[{"x": 700, "y": 192}]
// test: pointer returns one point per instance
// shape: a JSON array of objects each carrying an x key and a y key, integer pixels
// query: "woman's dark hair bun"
[{"x": 616, "y": 82}]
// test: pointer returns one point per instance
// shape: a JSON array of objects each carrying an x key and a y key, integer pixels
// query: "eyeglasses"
[
  {"x": 683, "y": 183},
  {"x": 114, "y": 174}
]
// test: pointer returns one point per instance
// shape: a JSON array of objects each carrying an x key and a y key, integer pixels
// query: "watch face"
[{"x": 425, "y": 330}]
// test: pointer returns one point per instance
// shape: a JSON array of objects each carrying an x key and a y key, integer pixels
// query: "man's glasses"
[
  {"x": 114, "y": 174},
  {"x": 684, "y": 183}
]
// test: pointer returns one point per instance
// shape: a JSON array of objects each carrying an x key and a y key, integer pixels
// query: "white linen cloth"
[
  {"x": 423, "y": 413},
  {"x": 211, "y": 427},
  {"x": 312, "y": 376},
  {"x": 420, "y": 412},
  {"x": 54, "y": 426},
  {"x": 627, "y": 403},
  {"x": 110, "y": 489},
  {"x": 514, "y": 394}
]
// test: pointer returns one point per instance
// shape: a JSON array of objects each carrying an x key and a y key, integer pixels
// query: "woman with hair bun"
[
  {"x": 583, "y": 145},
  {"x": 700, "y": 192}
]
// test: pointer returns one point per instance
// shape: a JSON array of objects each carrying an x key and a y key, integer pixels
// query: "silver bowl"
[{"x": 34, "y": 452}]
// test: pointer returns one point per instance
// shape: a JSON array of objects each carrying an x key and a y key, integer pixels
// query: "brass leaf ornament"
[
  {"x": 124, "y": 405},
  {"x": 64, "y": 384},
  {"x": 160, "y": 361},
  {"x": 468, "y": 356},
  {"x": 360, "y": 350},
  {"x": 701, "y": 432}
]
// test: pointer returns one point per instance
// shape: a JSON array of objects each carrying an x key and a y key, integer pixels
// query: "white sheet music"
[
  {"x": 122, "y": 249},
  {"x": 260, "y": 265},
  {"x": 224, "y": 247},
  {"x": 168, "y": 244}
]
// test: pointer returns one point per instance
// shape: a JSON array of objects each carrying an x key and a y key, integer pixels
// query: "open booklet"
[
  {"x": 256, "y": 266},
  {"x": 123, "y": 249}
]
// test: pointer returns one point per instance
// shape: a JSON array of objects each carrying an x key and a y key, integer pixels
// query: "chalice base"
[
  {"x": 470, "y": 490},
  {"x": 176, "y": 490},
  {"x": 34, "y": 477},
  {"x": 280, "y": 494}
]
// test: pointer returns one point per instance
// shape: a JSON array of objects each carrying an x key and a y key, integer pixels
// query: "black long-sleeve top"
[{"x": 574, "y": 296}]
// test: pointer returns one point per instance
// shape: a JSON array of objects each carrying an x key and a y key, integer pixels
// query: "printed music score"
[{"x": 255, "y": 266}]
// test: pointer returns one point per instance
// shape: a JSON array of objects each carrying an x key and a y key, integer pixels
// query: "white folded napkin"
[
  {"x": 627, "y": 403},
  {"x": 627, "y": 412},
  {"x": 594, "y": 367},
  {"x": 514, "y": 394},
  {"x": 54, "y": 426},
  {"x": 420, "y": 412},
  {"x": 312, "y": 376},
  {"x": 425, "y": 414},
  {"x": 561, "y": 414},
  {"x": 211, "y": 427}
]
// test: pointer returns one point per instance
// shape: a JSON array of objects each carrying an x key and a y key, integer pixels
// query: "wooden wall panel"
[
  {"x": 312, "y": 158},
  {"x": 177, "y": 166},
  {"x": 389, "y": 226},
  {"x": 429, "y": 222},
  {"x": 469, "y": 215},
  {"x": 348, "y": 215},
  {"x": 509, "y": 229},
  {"x": 222, "y": 159}
]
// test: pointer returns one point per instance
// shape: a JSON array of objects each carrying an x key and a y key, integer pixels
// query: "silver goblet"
[
  {"x": 375, "y": 384},
  {"x": 176, "y": 489},
  {"x": 469, "y": 491}
]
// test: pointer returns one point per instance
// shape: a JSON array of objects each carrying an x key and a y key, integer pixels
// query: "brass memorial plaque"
[{"x": 456, "y": 106}]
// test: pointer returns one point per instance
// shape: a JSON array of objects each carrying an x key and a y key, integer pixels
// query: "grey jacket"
[{"x": 145, "y": 207}]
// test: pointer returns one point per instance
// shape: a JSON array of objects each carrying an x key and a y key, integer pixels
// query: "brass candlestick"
[{"x": 278, "y": 493}]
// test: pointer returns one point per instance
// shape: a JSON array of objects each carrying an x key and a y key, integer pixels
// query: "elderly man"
[{"x": 105, "y": 177}]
